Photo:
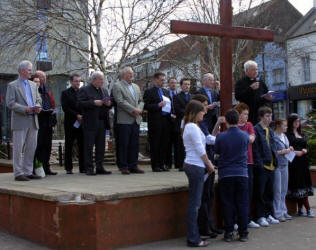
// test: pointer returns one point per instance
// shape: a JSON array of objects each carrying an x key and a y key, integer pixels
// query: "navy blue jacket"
[{"x": 264, "y": 154}]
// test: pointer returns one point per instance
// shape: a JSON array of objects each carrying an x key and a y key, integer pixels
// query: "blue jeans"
[{"x": 195, "y": 176}]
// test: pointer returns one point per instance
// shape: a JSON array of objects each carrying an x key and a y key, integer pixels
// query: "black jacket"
[
  {"x": 253, "y": 98},
  {"x": 151, "y": 100},
  {"x": 263, "y": 154},
  {"x": 70, "y": 106},
  {"x": 90, "y": 112},
  {"x": 180, "y": 103}
]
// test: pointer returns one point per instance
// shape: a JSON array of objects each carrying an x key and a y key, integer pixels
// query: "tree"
[{"x": 101, "y": 33}]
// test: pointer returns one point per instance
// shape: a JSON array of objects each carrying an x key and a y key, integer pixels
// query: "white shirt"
[
  {"x": 194, "y": 142},
  {"x": 130, "y": 87}
]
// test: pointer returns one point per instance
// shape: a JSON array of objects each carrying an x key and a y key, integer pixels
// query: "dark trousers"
[
  {"x": 94, "y": 137},
  {"x": 263, "y": 187},
  {"x": 116, "y": 139},
  {"x": 44, "y": 146},
  {"x": 72, "y": 134},
  {"x": 250, "y": 187},
  {"x": 158, "y": 138},
  {"x": 172, "y": 149},
  {"x": 234, "y": 196},
  {"x": 128, "y": 145},
  {"x": 205, "y": 219}
]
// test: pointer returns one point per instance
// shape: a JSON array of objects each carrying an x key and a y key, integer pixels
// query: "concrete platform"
[
  {"x": 97, "y": 212},
  {"x": 136, "y": 208}
]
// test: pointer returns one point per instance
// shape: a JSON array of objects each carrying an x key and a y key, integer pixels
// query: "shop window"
[{"x": 306, "y": 69}]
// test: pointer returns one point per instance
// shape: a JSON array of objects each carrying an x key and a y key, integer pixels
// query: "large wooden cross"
[{"x": 227, "y": 32}]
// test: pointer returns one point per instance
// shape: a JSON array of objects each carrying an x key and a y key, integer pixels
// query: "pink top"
[{"x": 248, "y": 127}]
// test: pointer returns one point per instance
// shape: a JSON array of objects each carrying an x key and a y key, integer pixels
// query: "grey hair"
[
  {"x": 124, "y": 70},
  {"x": 24, "y": 64},
  {"x": 248, "y": 64},
  {"x": 205, "y": 76},
  {"x": 95, "y": 75}
]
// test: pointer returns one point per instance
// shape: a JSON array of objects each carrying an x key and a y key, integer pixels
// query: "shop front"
[{"x": 302, "y": 99}]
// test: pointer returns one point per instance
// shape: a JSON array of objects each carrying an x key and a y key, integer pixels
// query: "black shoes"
[
  {"x": 49, "y": 172},
  {"x": 69, "y": 172},
  {"x": 208, "y": 234},
  {"x": 157, "y": 170},
  {"x": 243, "y": 238},
  {"x": 21, "y": 178},
  {"x": 103, "y": 171},
  {"x": 34, "y": 177},
  {"x": 201, "y": 244},
  {"x": 228, "y": 237}
]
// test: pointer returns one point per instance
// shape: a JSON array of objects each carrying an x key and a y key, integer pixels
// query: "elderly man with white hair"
[
  {"x": 210, "y": 89},
  {"x": 252, "y": 91},
  {"x": 128, "y": 117},
  {"x": 95, "y": 102},
  {"x": 24, "y": 101}
]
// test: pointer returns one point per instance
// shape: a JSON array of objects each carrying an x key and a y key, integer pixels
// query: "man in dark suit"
[
  {"x": 180, "y": 102},
  {"x": 72, "y": 123},
  {"x": 95, "y": 102},
  {"x": 210, "y": 90},
  {"x": 173, "y": 84},
  {"x": 158, "y": 123}
]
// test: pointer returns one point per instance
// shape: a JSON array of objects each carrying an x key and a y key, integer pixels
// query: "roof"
[{"x": 306, "y": 25}]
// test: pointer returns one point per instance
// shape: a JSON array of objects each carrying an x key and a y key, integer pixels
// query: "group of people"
[
  {"x": 260, "y": 162},
  {"x": 254, "y": 161}
]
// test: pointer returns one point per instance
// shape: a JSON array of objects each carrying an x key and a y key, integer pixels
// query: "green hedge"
[
  {"x": 311, "y": 143},
  {"x": 3, "y": 148}
]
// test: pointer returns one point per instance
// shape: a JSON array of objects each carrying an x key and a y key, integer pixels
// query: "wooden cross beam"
[{"x": 226, "y": 32}]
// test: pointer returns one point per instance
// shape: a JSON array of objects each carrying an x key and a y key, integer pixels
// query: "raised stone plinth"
[{"x": 6, "y": 166}]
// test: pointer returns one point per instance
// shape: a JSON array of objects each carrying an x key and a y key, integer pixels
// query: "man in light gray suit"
[
  {"x": 24, "y": 101},
  {"x": 129, "y": 108}
]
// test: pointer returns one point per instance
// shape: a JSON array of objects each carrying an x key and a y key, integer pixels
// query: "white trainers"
[
  {"x": 263, "y": 222},
  {"x": 310, "y": 213},
  {"x": 287, "y": 216},
  {"x": 281, "y": 219},
  {"x": 272, "y": 220},
  {"x": 301, "y": 212},
  {"x": 253, "y": 224}
]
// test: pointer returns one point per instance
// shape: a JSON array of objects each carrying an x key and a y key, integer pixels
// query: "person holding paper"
[
  {"x": 24, "y": 101},
  {"x": 281, "y": 175},
  {"x": 159, "y": 123},
  {"x": 94, "y": 102},
  {"x": 251, "y": 90},
  {"x": 300, "y": 183},
  {"x": 196, "y": 164},
  {"x": 72, "y": 123}
]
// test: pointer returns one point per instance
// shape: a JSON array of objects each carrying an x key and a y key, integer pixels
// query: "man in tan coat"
[
  {"x": 24, "y": 101},
  {"x": 130, "y": 105}
]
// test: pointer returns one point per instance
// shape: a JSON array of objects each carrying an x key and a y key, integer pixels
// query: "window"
[
  {"x": 278, "y": 75},
  {"x": 306, "y": 69}
]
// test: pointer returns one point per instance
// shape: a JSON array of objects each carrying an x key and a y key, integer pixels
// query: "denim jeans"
[
  {"x": 281, "y": 179},
  {"x": 195, "y": 176}
]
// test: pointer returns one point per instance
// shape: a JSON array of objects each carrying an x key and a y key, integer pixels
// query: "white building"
[{"x": 301, "y": 54}]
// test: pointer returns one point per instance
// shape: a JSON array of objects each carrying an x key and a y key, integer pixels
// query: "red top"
[{"x": 248, "y": 127}]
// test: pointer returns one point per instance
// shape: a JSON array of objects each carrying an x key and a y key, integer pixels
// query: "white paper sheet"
[
  {"x": 206, "y": 176},
  {"x": 76, "y": 124},
  {"x": 290, "y": 156},
  {"x": 167, "y": 107},
  {"x": 268, "y": 93}
]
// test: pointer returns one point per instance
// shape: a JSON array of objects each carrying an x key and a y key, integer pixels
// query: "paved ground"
[{"x": 299, "y": 233}]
